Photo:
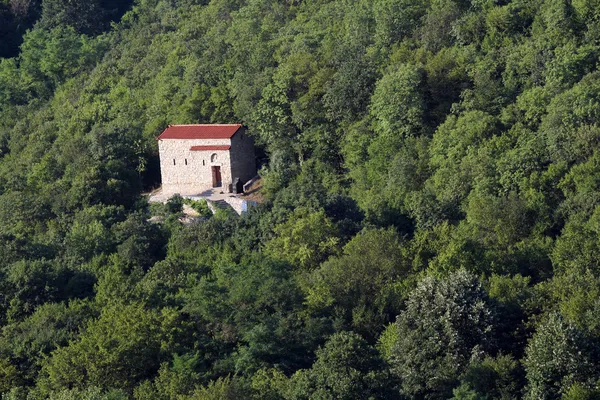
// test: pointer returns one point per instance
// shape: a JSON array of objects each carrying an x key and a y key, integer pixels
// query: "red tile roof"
[
  {"x": 204, "y": 131},
  {"x": 207, "y": 148}
]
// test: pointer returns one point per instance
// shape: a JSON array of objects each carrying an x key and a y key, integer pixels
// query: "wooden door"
[{"x": 216, "y": 176}]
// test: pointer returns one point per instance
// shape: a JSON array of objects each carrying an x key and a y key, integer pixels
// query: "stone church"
[{"x": 194, "y": 158}]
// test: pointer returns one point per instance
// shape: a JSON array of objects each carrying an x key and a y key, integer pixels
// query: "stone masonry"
[{"x": 189, "y": 153}]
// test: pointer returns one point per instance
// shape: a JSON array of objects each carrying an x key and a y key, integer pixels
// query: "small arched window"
[{"x": 213, "y": 158}]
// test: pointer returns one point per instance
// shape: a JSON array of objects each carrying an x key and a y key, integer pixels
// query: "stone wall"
[
  {"x": 185, "y": 171},
  {"x": 188, "y": 172},
  {"x": 248, "y": 184},
  {"x": 240, "y": 206}
]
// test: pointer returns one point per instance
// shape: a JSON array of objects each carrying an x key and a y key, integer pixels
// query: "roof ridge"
[
  {"x": 200, "y": 131},
  {"x": 206, "y": 125}
]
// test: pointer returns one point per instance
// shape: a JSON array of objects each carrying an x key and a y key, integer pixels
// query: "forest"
[{"x": 431, "y": 221}]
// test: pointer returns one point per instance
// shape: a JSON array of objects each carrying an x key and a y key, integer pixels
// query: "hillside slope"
[{"x": 431, "y": 217}]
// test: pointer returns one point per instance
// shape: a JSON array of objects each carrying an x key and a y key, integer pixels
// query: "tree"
[
  {"x": 454, "y": 157},
  {"x": 397, "y": 104},
  {"x": 89, "y": 393},
  {"x": 571, "y": 123},
  {"x": 124, "y": 345},
  {"x": 559, "y": 356},
  {"x": 16, "y": 17},
  {"x": 305, "y": 239},
  {"x": 28, "y": 342},
  {"x": 397, "y": 20},
  {"x": 29, "y": 284},
  {"x": 491, "y": 378},
  {"x": 174, "y": 380},
  {"x": 365, "y": 285},
  {"x": 447, "y": 323},
  {"x": 85, "y": 16},
  {"x": 346, "y": 368}
]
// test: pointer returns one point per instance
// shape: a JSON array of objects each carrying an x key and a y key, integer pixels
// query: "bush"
[
  {"x": 200, "y": 206},
  {"x": 175, "y": 204}
]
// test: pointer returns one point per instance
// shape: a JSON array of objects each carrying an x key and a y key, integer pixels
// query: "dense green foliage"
[
  {"x": 432, "y": 216},
  {"x": 91, "y": 17}
]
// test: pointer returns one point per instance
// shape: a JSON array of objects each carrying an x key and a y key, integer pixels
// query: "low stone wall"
[
  {"x": 211, "y": 206},
  {"x": 250, "y": 182},
  {"x": 240, "y": 206},
  {"x": 185, "y": 190}
]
